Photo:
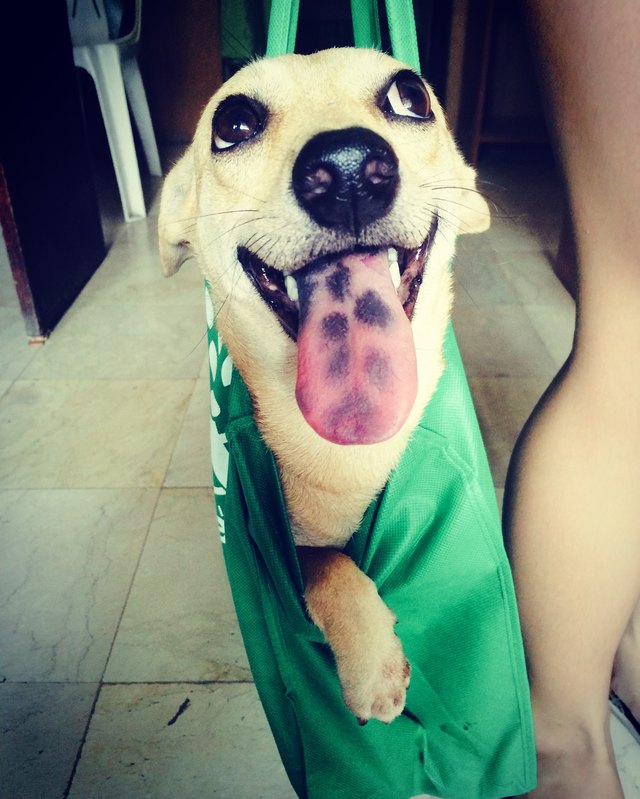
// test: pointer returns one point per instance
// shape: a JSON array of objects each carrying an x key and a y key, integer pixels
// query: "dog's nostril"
[
  {"x": 380, "y": 170},
  {"x": 316, "y": 182},
  {"x": 346, "y": 179}
]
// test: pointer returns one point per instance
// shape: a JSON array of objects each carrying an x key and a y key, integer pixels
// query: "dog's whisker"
[
  {"x": 233, "y": 229},
  {"x": 435, "y": 191},
  {"x": 195, "y": 347},
  {"x": 235, "y": 211},
  {"x": 451, "y": 225},
  {"x": 489, "y": 198},
  {"x": 222, "y": 274},
  {"x": 443, "y": 173},
  {"x": 235, "y": 267},
  {"x": 449, "y": 187},
  {"x": 272, "y": 242},
  {"x": 267, "y": 253},
  {"x": 257, "y": 244},
  {"x": 192, "y": 220},
  {"x": 449, "y": 217},
  {"x": 497, "y": 208},
  {"x": 466, "y": 206},
  {"x": 453, "y": 182},
  {"x": 234, "y": 282},
  {"x": 456, "y": 224},
  {"x": 449, "y": 221},
  {"x": 449, "y": 236},
  {"x": 251, "y": 196}
]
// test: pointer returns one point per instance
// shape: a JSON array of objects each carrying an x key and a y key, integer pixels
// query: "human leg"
[
  {"x": 575, "y": 558},
  {"x": 625, "y": 681},
  {"x": 572, "y": 509}
]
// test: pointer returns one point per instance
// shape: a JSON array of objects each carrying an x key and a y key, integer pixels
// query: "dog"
[{"x": 322, "y": 196}]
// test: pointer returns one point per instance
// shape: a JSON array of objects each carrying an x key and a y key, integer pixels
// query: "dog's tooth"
[
  {"x": 292, "y": 288},
  {"x": 394, "y": 268},
  {"x": 392, "y": 254}
]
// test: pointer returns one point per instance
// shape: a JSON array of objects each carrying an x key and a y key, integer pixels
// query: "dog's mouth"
[
  {"x": 282, "y": 296},
  {"x": 350, "y": 314}
]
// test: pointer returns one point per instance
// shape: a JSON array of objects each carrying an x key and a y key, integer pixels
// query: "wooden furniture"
[
  {"x": 48, "y": 206},
  {"x": 492, "y": 94}
]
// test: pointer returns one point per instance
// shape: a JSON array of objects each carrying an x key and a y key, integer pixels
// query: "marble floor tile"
[
  {"x": 8, "y": 297},
  {"x": 500, "y": 499},
  {"x": 68, "y": 559},
  {"x": 627, "y": 752},
  {"x": 90, "y": 433},
  {"x": 474, "y": 243},
  {"x": 5, "y": 385},
  {"x": 180, "y": 624},
  {"x": 190, "y": 464},
  {"x": 204, "y": 369},
  {"x": 500, "y": 341},
  {"x": 122, "y": 342},
  {"x": 503, "y": 405},
  {"x": 41, "y": 731},
  {"x": 514, "y": 232},
  {"x": 555, "y": 324},
  {"x": 132, "y": 274},
  {"x": 219, "y": 746},
  {"x": 110, "y": 204},
  {"x": 530, "y": 276},
  {"x": 15, "y": 352},
  {"x": 461, "y": 296},
  {"x": 480, "y": 276}
]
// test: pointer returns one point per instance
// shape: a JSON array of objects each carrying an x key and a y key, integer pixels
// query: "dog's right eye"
[{"x": 236, "y": 120}]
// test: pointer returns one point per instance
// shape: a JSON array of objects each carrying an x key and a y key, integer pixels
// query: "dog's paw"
[
  {"x": 375, "y": 677},
  {"x": 359, "y": 627}
]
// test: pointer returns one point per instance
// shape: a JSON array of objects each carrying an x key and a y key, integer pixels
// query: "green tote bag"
[{"x": 432, "y": 543}]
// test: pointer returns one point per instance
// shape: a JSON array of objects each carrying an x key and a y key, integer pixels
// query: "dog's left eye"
[
  {"x": 236, "y": 120},
  {"x": 407, "y": 97}
]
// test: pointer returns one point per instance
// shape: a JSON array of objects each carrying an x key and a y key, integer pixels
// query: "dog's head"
[{"x": 322, "y": 195}]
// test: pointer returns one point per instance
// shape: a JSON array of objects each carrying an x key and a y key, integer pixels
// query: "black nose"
[{"x": 346, "y": 179}]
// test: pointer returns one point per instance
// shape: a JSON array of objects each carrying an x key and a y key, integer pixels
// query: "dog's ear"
[
  {"x": 177, "y": 219},
  {"x": 472, "y": 208}
]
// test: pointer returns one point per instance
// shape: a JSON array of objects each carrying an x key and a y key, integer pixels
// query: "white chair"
[{"x": 113, "y": 65}]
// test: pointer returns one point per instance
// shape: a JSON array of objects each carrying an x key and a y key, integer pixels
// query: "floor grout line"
[{"x": 101, "y": 682}]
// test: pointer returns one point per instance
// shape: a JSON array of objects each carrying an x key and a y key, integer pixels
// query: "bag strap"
[
  {"x": 283, "y": 24},
  {"x": 366, "y": 24},
  {"x": 402, "y": 31}
]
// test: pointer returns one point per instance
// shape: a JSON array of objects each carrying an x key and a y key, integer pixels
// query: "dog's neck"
[{"x": 328, "y": 487}]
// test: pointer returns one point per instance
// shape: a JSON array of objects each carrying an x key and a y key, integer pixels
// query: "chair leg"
[
  {"x": 104, "y": 63},
  {"x": 140, "y": 109}
]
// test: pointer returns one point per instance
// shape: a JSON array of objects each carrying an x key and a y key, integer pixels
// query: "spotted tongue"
[{"x": 357, "y": 376}]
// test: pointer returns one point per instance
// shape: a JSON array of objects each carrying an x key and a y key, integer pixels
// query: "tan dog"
[{"x": 322, "y": 196}]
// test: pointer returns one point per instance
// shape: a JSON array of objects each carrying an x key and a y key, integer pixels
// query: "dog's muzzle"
[
  {"x": 349, "y": 312},
  {"x": 346, "y": 179}
]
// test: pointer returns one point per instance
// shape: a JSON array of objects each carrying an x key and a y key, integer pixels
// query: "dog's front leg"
[{"x": 344, "y": 603}]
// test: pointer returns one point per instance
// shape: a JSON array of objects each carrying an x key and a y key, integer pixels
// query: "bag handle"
[
  {"x": 366, "y": 24},
  {"x": 402, "y": 31},
  {"x": 283, "y": 24}
]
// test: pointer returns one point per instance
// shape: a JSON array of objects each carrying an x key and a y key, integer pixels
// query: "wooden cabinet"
[{"x": 48, "y": 205}]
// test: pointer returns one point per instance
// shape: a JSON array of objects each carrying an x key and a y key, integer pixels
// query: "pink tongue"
[{"x": 357, "y": 376}]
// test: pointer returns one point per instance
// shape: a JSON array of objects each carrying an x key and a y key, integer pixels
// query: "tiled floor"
[{"x": 122, "y": 673}]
